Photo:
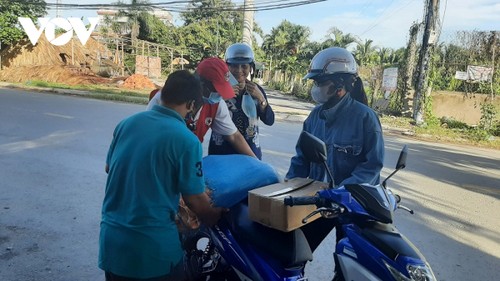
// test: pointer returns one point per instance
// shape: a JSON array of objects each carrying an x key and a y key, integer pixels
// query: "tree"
[
  {"x": 365, "y": 53},
  {"x": 285, "y": 44},
  {"x": 132, "y": 11},
  {"x": 210, "y": 26},
  {"x": 10, "y": 11},
  {"x": 152, "y": 29},
  {"x": 336, "y": 38}
]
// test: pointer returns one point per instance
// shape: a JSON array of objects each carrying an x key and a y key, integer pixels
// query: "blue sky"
[{"x": 386, "y": 22}]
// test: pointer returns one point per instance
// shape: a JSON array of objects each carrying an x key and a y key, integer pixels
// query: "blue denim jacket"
[{"x": 353, "y": 137}]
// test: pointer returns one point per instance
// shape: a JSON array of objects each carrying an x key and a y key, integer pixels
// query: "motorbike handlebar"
[{"x": 305, "y": 200}]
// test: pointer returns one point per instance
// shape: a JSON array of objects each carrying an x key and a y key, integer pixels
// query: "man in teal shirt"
[{"x": 153, "y": 160}]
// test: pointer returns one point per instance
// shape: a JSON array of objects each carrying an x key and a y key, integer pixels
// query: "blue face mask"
[{"x": 213, "y": 98}]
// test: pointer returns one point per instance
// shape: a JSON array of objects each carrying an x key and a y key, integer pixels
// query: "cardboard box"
[{"x": 266, "y": 205}]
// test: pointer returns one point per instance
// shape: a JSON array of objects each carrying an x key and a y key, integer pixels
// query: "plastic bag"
[{"x": 230, "y": 177}]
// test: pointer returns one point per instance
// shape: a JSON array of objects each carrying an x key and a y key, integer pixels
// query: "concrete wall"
[{"x": 465, "y": 108}]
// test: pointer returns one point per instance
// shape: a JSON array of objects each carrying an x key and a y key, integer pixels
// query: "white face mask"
[
  {"x": 213, "y": 98},
  {"x": 321, "y": 94}
]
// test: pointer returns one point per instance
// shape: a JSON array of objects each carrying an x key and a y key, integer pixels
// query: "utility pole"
[
  {"x": 58, "y": 2},
  {"x": 407, "y": 74},
  {"x": 429, "y": 39},
  {"x": 493, "y": 46},
  {"x": 248, "y": 22}
]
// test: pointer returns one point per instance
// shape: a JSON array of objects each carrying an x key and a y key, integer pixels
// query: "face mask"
[
  {"x": 213, "y": 98},
  {"x": 321, "y": 94},
  {"x": 248, "y": 106}
]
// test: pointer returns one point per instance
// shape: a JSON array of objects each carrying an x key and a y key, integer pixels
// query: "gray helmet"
[
  {"x": 332, "y": 61},
  {"x": 239, "y": 53}
]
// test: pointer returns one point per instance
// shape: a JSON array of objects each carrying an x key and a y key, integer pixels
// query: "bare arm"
[
  {"x": 201, "y": 206},
  {"x": 239, "y": 144}
]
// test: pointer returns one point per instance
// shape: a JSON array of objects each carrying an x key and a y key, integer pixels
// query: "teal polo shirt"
[{"x": 153, "y": 158}]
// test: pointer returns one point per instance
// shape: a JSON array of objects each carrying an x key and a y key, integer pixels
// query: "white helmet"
[
  {"x": 332, "y": 61},
  {"x": 239, "y": 53}
]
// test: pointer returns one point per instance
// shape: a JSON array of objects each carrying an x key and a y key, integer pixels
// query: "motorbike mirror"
[
  {"x": 313, "y": 148},
  {"x": 401, "y": 164}
]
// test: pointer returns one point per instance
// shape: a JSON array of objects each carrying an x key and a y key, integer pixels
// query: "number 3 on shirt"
[{"x": 199, "y": 173}]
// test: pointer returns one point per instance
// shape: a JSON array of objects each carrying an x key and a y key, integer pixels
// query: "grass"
[
  {"x": 437, "y": 132},
  {"x": 98, "y": 91}
]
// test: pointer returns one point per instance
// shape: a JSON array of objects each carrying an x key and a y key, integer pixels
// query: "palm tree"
[
  {"x": 285, "y": 44},
  {"x": 336, "y": 38},
  {"x": 365, "y": 53}
]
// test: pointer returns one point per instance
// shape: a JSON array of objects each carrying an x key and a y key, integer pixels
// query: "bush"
[
  {"x": 277, "y": 85},
  {"x": 495, "y": 130},
  {"x": 478, "y": 134},
  {"x": 301, "y": 90},
  {"x": 453, "y": 124}
]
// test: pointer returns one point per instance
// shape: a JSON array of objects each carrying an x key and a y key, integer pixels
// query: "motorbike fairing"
[
  {"x": 389, "y": 240},
  {"x": 374, "y": 242},
  {"x": 352, "y": 270}
]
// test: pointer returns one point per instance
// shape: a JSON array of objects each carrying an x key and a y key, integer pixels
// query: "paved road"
[{"x": 52, "y": 151}]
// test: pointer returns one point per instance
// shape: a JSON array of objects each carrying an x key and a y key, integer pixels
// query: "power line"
[
  {"x": 385, "y": 18},
  {"x": 182, "y": 5}
]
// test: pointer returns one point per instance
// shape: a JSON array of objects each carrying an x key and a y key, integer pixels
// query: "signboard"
[
  {"x": 479, "y": 73},
  {"x": 390, "y": 79},
  {"x": 461, "y": 75}
]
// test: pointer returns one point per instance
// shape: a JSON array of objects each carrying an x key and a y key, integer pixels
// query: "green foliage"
[
  {"x": 477, "y": 134},
  {"x": 285, "y": 43},
  {"x": 488, "y": 115},
  {"x": 10, "y": 11},
  {"x": 302, "y": 90},
  {"x": 208, "y": 30},
  {"x": 154, "y": 30},
  {"x": 278, "y": 85},
  {"x": 451, "y": 123},
  {"x": 366, "y": 54},
  {"x": 495, "y": 130},
  {"x": 469, "y": 48},
  {"x": 429, "y": 117}
]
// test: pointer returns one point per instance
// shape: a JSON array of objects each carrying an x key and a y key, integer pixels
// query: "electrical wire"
[
  {"x": 180, "y": 5},
  {"x": 385, "y": 18}
]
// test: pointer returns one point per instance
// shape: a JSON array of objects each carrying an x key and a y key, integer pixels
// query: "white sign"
[
  {"x": 49, "y": 25},
  {"x": 479, "y": 73},
  {"x": 461, "y": 75},
  {"x": 390, "y": 79}
]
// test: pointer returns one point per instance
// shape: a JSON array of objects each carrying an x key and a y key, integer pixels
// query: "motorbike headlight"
[
  {"x": 416, "y": 272},
  {"x": 420, "y": 272}
]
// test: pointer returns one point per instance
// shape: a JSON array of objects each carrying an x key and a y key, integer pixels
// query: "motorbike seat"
[{"x": 291, "y": 249}]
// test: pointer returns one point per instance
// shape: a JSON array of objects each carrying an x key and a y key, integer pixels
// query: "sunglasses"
[
  {"x": 322, "y": 81},
  {"x": 244, "y": 66}
]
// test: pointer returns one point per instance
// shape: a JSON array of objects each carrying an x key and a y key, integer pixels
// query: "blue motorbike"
[{"x": 369, "y": 248}]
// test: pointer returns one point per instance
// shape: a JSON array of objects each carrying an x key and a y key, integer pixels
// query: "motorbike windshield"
[{"x": 374, "y": 199}]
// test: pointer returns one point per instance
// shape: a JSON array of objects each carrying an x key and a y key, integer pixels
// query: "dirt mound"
[
  {"x": 55, "y": 73},
  {"x": 68, "y": 64},
  {"x": 138, "y": 81},
  {"x": 44, "y": 53}
]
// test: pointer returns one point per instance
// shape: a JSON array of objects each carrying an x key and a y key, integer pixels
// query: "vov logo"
[{"x": 49, "y": 25}]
